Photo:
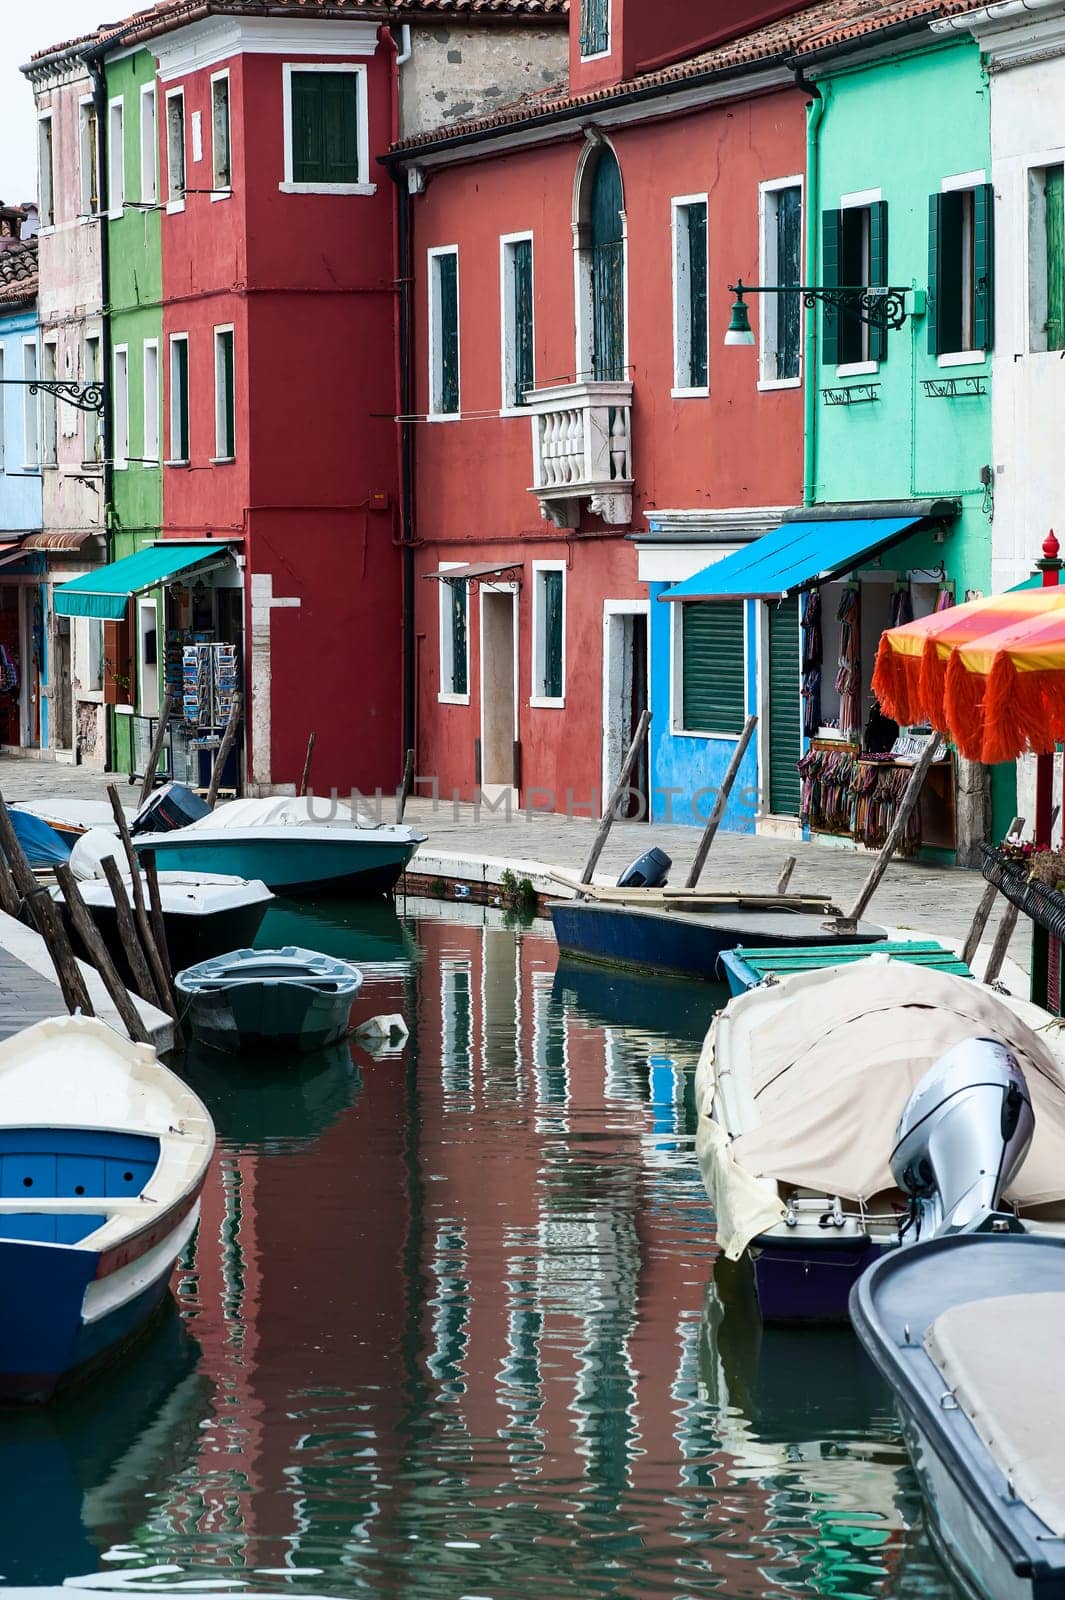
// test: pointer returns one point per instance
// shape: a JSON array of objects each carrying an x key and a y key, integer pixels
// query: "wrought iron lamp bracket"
[
  {"x": 879, "y": 307},
  {"x": 86, "y": 396}
]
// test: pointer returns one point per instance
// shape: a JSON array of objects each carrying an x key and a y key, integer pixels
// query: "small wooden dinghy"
[
  {"x": 103, "y": 1154},
  {"x": 289, "y": 999}
]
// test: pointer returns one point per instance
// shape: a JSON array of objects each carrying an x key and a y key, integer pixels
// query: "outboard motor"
[
  {"x": 647, "y": 871},
  {"x": 173, "y": 806},
  {"x": 961, "y": 1140}
]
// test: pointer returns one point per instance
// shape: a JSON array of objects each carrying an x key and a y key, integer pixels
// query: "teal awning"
[
  {"x": 105, "y": 592},
  {"x": 791, "y": 557}
]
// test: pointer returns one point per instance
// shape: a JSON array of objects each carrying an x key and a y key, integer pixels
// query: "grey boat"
[
  {"x": 967, "y": 1329},
  {"x": 288, "y": 999}
]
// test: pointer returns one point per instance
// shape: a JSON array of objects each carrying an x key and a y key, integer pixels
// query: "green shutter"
[
  {"x": 1054, "y": 195},
  {"x": 944, "y": 273},
  {"x": 308, "y": 157},
  {"x": 447, "y": 285},
  {"x": 325, "y": 143},
  {"x": 595, "y": 29},
  {"x": 180, "y": 351},
  {"x": 459, "y": 649},
  {"x": 785, "y": 708},
  {"x": 522, "y": 286},
  {"x": 713, "y": 667},
  {"x": 697, "y": 328},
  {"x": 878, "y": 273},
  {"x": 608, "y": 271},
  {"x": 789, "y": 270},
  {"x": 228, "y": 398},
  {"x": 983, "y": 266},
  {"x": 831, "y": 250},
  {"x": 553, "y": 624}
]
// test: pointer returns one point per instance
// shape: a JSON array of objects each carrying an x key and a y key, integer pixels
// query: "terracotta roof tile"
[
  {"x": 818, "y": 27},
  {"x": 18, "y": 271}
]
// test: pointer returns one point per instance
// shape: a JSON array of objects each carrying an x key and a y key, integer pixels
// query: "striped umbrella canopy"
[{"x": 990, "y": 673}]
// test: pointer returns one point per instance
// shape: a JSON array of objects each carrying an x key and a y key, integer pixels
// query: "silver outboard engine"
[{"x": 961, "y": 1140}]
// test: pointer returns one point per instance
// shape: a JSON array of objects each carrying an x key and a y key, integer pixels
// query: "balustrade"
[{"x": 582, "y": 451}]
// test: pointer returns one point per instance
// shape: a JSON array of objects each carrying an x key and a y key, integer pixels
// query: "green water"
[{"x": 451, "y": 1328}]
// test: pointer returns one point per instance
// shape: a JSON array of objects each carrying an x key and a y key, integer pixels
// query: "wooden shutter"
[
  {"x": 944, "y": 273},
  {"x": 228, "y": 440},
  {"x": 831, "y": 252},
  {"x": 340, "y": 121},
  {"x": 878, "y": 273},
  {"x": 118, "y": 663},
  {"x": 608, "y": 271},
  {"x": 789, "y": 270},
  {"x": 459, "y": 649},
  {"x": 785, "y": 707},
  {"x": 523, "y": 320},
  {"x": 595, "y": 31},
  {"x": 308, "y": 155},
  {"x": 983, "y": 266},
  {"x": 1054, "y": 198},
  {"x": 553, "y": 623},
  {"x": 713, "y": 666},
  {"x": 697, "y": 329},
  {"x": 447, "y": 283}
]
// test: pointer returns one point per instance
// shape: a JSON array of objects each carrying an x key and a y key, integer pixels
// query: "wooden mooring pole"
[
  {"x": 98, "y": 953},
  {"x": 306, "y": 778},
  {"x": 157, "y": 745},
  {"x": 714, "y": 820},
  {"x": 47, "y": 918},
  {"x": 607, "y": 820},
  {"x": 160, "y": 979},
  {"x": 983, "y": 910},
  {"x": 406, "y": 787},
  {"x": 222, "y": 755},
  {"x": 911, "y": 795},
  {"x": 127, "y": 933}
]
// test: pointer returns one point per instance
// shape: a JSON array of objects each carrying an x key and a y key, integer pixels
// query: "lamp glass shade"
[{"x": 739, "y": 328}]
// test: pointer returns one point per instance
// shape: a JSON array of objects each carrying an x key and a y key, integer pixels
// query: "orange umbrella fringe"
[
  {"x": 964, "y": 708},
  {"x": 897, "y": 683},
  {"x": 933, "y": 685},
  {"x": 1022, "y": 711}
]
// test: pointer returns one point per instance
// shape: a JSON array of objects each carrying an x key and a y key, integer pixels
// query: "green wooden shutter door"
[
  {"x": 447, "y": 269},
  {"x": 523, "y": 320},
  {"x": 984, "y": 266},
  {"x": 340, "y": 125},
  {"x": 459, "y": 655},
  {"x": 944, "y": 273},
  {"x": 1054, "y": 197},
  {"x": 831, "y": 248},
  {"x": 935, "y": 231},
  {"x": 785, "y": 708},
  {"x": 552, "y": 598},
  {"x": 713, "y": 667},
  {"x": 181, "y": 356},
  {"x": 697, "y": 329},
  {"x": 308, "y": 156},
  {"x": 878, "y": 272},
  {"x": 789, "y": 270},
  {"x": 228, "y": 398},
  {"x": 608, "y": 275}
]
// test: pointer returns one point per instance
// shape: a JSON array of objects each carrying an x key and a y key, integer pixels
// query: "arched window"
[{"x": 600, "y": 239}]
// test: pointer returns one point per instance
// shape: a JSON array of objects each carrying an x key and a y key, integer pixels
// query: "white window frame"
[
  {"x": 173, "y": 459},
  {"x": 120, "y": 408},
  {"x": 46, "y": 171},
  {"x": 539, "y": 636},
  {"x": 92, "y": 423},
  {"x": 951, "y": 185},
  {"x": 508, "y": 321},
  {"x": 767, "y": 249},
  {"x": 150, "y": 398},
  {"x": 31, "y": 413},
  {"x": 601, "y": 55},
  {"x": 87, "y": 157},
  {"x": 176, "y": 202},
  {"x": 445, "y": 696},
  {"x": 221, "y": 191},
  {"x": 116, "y": 157},
  {"x": 861, "y": 200},
  {"x": 49, "y": 403},
  {"x": 149, "y": 132},
  {"x": 435, "y": 358},
  {"x": 678, "y": 225},
  {"x": 144, "y": 605},
  {"x": 676, "y": 676},
  {"x": 220, "y": 458},
  {"x": 362, "y": 126}
]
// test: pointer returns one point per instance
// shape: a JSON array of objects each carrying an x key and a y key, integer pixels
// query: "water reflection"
[{"x": 455, "y": 1335}]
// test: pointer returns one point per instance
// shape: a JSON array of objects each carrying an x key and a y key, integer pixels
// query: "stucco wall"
[
  {"x": 460, "y": 71},
  {"x": 20, "y": 490}
]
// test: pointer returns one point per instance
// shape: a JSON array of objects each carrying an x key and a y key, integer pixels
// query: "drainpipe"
[
  {"x": 815, "y": 112},
  {"x": 99, "y": 100}
]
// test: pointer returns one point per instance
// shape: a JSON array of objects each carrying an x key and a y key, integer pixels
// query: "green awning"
[{"x": 105, "y": 592}]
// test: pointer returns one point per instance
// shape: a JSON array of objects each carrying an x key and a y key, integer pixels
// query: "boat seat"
[{"x": 1000, "y": 1358}]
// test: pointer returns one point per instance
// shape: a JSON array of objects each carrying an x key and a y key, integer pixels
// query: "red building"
[{"x": 572, "y": 256}]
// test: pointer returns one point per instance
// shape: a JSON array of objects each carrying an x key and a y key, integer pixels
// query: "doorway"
[
  {"x": 784, "y": 681},
  {"x": 62, "y": 677},
  {"x": 625, "y": 698},
  {"x": 499, "y": 690}
]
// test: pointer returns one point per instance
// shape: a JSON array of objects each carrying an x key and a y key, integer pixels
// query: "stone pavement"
[{"x": 25, "y": 996}]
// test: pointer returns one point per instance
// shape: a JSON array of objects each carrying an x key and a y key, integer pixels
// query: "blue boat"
[
  {"x": 286, "y": 999},
  {"x": 103, "y": 1155}
]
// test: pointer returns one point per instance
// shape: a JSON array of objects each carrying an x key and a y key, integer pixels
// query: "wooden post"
[
  {"x": 140, "y": 908},
  {"x": 785, "y": 876},
  {"x": 306, "y": 778},
  {"x": 407, "y": 786},
  {"x": 607, "y": 820},
  {"x": 100, "y": 956},
  {"x": 155, "y": 906},
  {"x": 10, "y": 899},
  {"x": 157, "y": 745},
  {"x": 983, "y": 910},
  {"x": 224, "y": 748},
  {"x": 714, "y": 819},
  {"x": 909, "y": 800},
  {"x": 127, "y": 933},
  {"x": 48, "y": 921},
  {"x": 1001, "y": 944}
]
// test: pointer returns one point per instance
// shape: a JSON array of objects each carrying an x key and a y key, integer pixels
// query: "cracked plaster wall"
[{"x": 458, "y": 73}]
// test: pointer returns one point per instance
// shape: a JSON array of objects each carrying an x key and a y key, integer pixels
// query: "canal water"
[{"x": 452, "y": 1327}]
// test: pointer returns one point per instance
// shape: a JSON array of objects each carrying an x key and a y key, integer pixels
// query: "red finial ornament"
[{"x": 1051, "y": 547}]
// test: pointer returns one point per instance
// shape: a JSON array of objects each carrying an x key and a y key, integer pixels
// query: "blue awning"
[{"x": 791, "y": 557}]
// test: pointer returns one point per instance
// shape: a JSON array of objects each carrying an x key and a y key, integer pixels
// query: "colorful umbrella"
[{"x": 990, "y": 673}]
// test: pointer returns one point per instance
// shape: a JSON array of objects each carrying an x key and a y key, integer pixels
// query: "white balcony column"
[{"x": 582, "y": 451}]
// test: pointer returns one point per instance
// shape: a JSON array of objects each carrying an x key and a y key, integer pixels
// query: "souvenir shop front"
[
  {"x": 170, "y": 626},
  {"x": 23, "y": 650}
]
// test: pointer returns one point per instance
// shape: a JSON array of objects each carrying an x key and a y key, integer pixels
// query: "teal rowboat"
[
  {"x": 288, "y": 999},
  {"x": 745, "y": 968}
]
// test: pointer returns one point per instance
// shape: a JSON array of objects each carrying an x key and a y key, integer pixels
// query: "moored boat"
[
  {"x": 71, "y": 817},
  {"x": 746, "y": 966},
  {"x": 103, "y": 1154},
  {"x": 287, "y": 999},
  {"x": 204, "y": 914}
]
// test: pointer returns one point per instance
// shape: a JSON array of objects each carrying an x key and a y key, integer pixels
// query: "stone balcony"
[{"x": 582, "y": 452}]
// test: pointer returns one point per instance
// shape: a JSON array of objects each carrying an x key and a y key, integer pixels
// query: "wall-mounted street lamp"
[
  {"x": 86, "y": 396},
  {"x": 879, "y": 307}
]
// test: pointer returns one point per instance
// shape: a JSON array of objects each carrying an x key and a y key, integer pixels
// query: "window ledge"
[
  {"x": 288, "y": 187},
  {"x": 515, "y": 411},
  {"x": 701, "y": 393},
  {"x": 699, "y": 733},
  {"x": 50, "y": 466},
  {"x": 962, "y": 358},
  {"x": 222, "y": 461},
  {"x": 30, "y": 470},
  {"x": 174, "y": 207},
  {"x": 180, "y": 463},
  {"x": 767, "y": 385},
  {"x": 222, "y": 194},
  {"x": 112, "y": 216},
  {"x": 543, "y": 702},
  {"x": 857, "y": 369},
  {"x": 453, "y": 699},
  {"x": 444, "y": 416},
  {"x": 85, "y": 217}
]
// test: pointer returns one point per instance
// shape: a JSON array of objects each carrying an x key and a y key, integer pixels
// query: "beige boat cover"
[
  {"x": 1017, "y": 1406},
  {"x": 829, "y": 1059}
]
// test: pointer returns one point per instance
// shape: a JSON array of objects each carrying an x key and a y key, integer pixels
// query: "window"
[
  {"x": 49, "y": 373},
  {"x": 44, "y": 169},
  {"x": 3, "y": 418},
  {"x": 93, "y": 424},
  {"x": 31, "y": 448},
  {"x": 711, "y": 668},
  {"x": 690, "y": 330},
  {"x": 179, "y": 397},
  {"x": 149, "y": 146},
  {"x": 151, "y": 400},
  {"x": 148, "y": 657},
  {"x": 781, "y": 315},
  {"x": 854, "y": 254},
  {"x": 444, "y": 332},
  {"x": 595, "y": 28},
  {"x": 89, "y": 653},
  {"x": 1046, "y": 258},
  {"x": 960, "y": 249},
  {"x": 221, "y": 162},
  {"x": 549, "y": 633},
  {"x": 175, "y": 149},
  {"x": 326, "y": 137},
  {"x": 116, "y": 158},
  {"x": 224, "y": 417},
  {"x": 516, "y": 294},
  {"x": 454, "y": 640},
  {"x": 121, "y": 405},
  {"x": 88, "y": 150}
]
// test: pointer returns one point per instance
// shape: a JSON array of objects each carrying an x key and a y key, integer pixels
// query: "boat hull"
[
  {"x": 287, "y": 864},
  {"x": 809, "y": 1282},
  {"x": 190, "y": 937},
  {"x": 248, "y": 1017}
]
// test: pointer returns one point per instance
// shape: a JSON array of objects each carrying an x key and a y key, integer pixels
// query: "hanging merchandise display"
[
  {"x": 812, "y": 658},
  {"x": 827, "y": 771},
  {"x": 849, "y": 676},
  {"x": 901, "y": 606}
]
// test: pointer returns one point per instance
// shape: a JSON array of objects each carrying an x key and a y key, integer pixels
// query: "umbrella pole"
[{"x": 1050, "y": 567}]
